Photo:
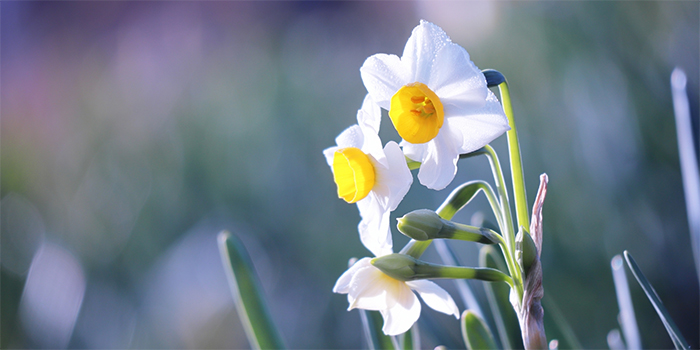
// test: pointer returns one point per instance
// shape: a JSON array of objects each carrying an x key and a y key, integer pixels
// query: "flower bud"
[
  {"x": 424, "y": 224},
  {"x": 421, "y": 224},
  {"x": 397, "y": 266},
  {"x": 493, "y": 77}
]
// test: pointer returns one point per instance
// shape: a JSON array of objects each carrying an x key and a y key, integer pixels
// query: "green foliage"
[
  {"x": 247, "y": 294},
  {"x": 678, "y": 341},
  {"x": 475, "y": 332}
]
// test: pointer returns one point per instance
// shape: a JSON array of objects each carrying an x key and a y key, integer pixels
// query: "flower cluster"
[{"x": 439, "y": 103}]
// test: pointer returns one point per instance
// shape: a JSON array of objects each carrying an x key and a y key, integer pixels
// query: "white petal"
[
  {"x": 329, "y": 154},
  {"x": 439, "y": 164},
  {"x": 342, "y": 285},
  {"x": 455, "y": 79},
  {"x": 397, "y": 178},
  {"x": 413, "y": 151},
  {"x": 375, "y": 233},
  {"x": 476, "y": 128},
  {"x": 435, "y": 297},
  {"x": 371, "y": 289},
  {"x": 383, "y": 75},
  {"x": 350, "y": 137},
  {"x": 373, "y": 147},
  {"x": 421, "y": 49},
  {"x": 369, "y": 115},
  {"x": 403, "y": 314}
]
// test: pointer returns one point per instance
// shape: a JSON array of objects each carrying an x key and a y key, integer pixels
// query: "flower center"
[
  {"x": 353, "y": 172},
  {"x": 417, "y": 113}
]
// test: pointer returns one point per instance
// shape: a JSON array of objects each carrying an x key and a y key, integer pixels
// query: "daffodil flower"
[
  {"x": 375, "y": 178},
  {"x": 369, "y": 288},
  {"x": 438, "y": 101}
]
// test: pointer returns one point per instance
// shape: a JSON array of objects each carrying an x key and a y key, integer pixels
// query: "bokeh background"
[{"x": 133, "y": 132}]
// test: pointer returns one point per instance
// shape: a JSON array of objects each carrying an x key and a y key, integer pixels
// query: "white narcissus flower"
[
  {"x": 375, "y": 178},
  {"x": 438, "y": 101},
  {"x": 369, "y": 288}
]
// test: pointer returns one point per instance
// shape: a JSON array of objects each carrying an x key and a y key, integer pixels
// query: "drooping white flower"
[
  {"x": 369, "y": 288},
  {"x": 438, "y": 101},
  {"x": 375, "y": 178}
]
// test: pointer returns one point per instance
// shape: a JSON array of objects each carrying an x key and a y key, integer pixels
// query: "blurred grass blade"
[
  {"x": 497, "y": 294},
  {"x": 415, "y": 337},
  {"x": 465, "y": 292},
  {"x": 678, "y": 340},
  {"x": 410, "y": 340},
  {"x": 367, "y": 327},
  {"x": 247, "y": 294},
  {"x": 475, "y": 332},
  {"x": 569, "y": 337},
  {"x": 628, "y": 321},
  {"x": 381, "y": 340},
  {"x": 688, "y": 159},
  {"x": 615, "y": 340}
]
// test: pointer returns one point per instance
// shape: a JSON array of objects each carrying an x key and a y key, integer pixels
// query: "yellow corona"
[
  {"x": 353, "y": 172},
  {"x": 417, "y": 113}
]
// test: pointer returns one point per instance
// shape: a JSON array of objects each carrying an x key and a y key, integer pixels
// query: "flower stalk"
[
  {"x": 406, "y": 268},
  {"x": 516, "y": 164}
]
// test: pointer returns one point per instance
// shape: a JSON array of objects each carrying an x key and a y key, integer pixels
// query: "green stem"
[
  {"x": 507, "y": 230},
  {"x": 412, "y": 164},
  {"x": 478, "y": 273},
  {"x": 447, "y": 210},
  {"x": 516, "y": 165}
]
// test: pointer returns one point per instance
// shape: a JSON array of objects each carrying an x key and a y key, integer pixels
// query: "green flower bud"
[
  {"x": 421, "y": 224},
  {"x": 424, "y": 224},
  {"x": 525, "y": 250},
  {"x": 493, "y": 77},
  {"x": 398, "y": 266}
]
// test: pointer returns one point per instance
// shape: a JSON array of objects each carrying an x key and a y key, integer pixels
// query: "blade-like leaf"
[
  {"x": 247, "y": 294},
  {"x": 678, "y": 340},
  {"x": 688, "y": 157},
  {"x": 475, "y": 332},
  {"x": 628, "y": 321}
]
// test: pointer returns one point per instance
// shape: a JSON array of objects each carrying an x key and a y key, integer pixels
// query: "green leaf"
[
  {"x": 475, "y": 332},
  {"x": 678, "y": 341},
  {"x": 247, "y": 294},
  {"x": 497, "y": 294}
]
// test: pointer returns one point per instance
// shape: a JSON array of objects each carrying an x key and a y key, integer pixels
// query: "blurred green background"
[{"x": 133, "y": 132}]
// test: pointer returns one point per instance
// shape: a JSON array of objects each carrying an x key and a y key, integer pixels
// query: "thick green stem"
[{"x": 516, "y": 165}]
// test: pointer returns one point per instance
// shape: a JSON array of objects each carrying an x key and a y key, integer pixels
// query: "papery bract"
[
  {"x": 435, "y": 86},
  {"x": 390, "y": 183}
]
